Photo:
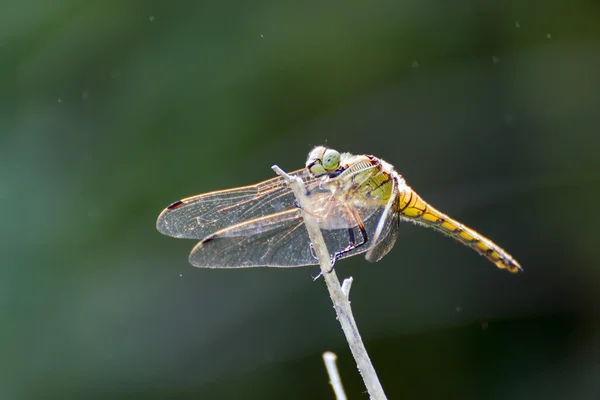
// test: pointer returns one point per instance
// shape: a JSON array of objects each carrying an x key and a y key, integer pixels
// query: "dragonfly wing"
[
  {"x": 386, "y": 233},
  {"x": 200, "y": 216},
  {"x": 280, "y": 240}
]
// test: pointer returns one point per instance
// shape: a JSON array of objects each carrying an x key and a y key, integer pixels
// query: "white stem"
[
  {"x": 339, "y": 299},
  {"x": 334, "y": 376}
]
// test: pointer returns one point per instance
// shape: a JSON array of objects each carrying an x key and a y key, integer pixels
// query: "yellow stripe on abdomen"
[{"x": 413, "y": 207}]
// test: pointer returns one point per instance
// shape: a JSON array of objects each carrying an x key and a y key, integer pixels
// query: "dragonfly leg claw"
[
  {"x": 320, "y": 274},
  {"x": 333, "y": 260},
  {"x": 312, "y": 252}
]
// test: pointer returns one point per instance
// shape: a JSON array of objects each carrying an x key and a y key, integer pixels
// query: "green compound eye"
[
  {"x": 331, "y": 160},
  {"x": 317, "y": 169}
]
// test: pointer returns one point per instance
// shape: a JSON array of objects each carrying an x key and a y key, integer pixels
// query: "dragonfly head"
[{"x": 322, "y": 160}]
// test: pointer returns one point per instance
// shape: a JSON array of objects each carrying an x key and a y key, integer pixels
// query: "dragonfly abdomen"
[{"x": 414, "y": 208}]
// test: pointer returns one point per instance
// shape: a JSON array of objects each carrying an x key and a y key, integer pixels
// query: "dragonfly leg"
[
  {"x": 351, "y": 239},
  {"x": 351, "y": 246}
]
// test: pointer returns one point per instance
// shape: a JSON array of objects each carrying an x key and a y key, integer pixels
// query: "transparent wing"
[
  {"x": 386, "y": 232},
  {"x": 200, "y": 216},
  {"x": 279, "y": 240},
  {"x": 260, "y": 225}
]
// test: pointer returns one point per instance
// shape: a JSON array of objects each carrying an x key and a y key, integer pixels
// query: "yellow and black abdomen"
[{"x": 414, "y": 208}]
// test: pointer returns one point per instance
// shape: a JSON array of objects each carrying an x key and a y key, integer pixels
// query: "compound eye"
[
  {"x": 331, "y": 160},
  {"x": 317, "y": 169}
]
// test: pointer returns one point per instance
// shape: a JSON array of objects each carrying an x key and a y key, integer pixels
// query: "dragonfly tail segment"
[{"x": 414, "y": 208}]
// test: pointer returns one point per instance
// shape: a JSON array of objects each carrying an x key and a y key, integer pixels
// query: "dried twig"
[
  {"x": 334, "y": 376},
  {"x": 338, "y": 297}
]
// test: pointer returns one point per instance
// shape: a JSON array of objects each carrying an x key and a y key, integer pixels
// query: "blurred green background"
[{"x": 111, "y": 110}]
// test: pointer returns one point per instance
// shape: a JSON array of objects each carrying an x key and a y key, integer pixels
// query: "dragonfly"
[{"x": 358, "y": 201}]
